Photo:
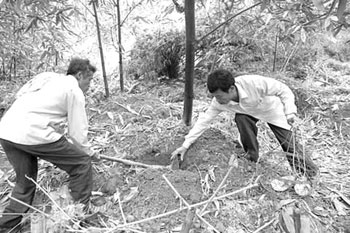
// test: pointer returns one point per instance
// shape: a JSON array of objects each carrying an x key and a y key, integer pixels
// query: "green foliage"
[
  {"x": 31, "y": 35},
  {"x": 157, "y": 55}
]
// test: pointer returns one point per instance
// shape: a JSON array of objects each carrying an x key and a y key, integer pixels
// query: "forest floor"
[{"x": 145, "y": 125}]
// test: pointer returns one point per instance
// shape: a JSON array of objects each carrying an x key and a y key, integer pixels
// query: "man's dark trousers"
[
  {"x": 248, "y": 134},
  {"x": 24, "y": 160}
]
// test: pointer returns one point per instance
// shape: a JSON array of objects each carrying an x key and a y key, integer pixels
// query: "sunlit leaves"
[{"x": 33, "y": 29}]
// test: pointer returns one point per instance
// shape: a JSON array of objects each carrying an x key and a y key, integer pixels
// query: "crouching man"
[
  {"x": 252, "y": 98},
  {"x": 31, "y": 130}
]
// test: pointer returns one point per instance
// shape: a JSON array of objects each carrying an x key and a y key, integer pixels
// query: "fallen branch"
[
  {"x": 265, "y": 225},
  {"x": 53, "y": 201},
  {"x": 190, "y": 212},
  {"x": 131, "y": 163},
  {"x": 31, "y": 207},
  {"x": 120, "y": 207},
  {"x": 342, "y": 196},
  {"x": 182, "y": 208},
  {"x": 228, "y": 20},
  {"x": 127, "y": 108}
]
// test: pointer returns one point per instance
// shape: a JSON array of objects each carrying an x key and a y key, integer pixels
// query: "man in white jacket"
[
  {"x": 252, "y": 98},
  {"x": 32, "y": 129}
]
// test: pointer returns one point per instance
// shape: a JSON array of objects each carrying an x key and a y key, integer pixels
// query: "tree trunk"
[
  {"x": 14, "y": 66},
  {"x": 121, "y": 78},
  {"x": 101, "y": 50},
  {"x": 189, "y": 67},
  {"x": 275, "y": 53}
]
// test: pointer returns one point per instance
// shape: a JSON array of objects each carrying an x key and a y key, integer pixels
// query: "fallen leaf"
[
  {"x": 283, "y": 203},
  {"x": 283, "y": 183},
  {"x": 339, "y": 206},
  {"x": 110, "y": 115},
  {"x": 133, "y": 192},
  {"x": 211, "y": 173},
  {"x": 286, "y": 220},
  {"x": 302, "y": 189},
  {"x": 320, "y": 211}
]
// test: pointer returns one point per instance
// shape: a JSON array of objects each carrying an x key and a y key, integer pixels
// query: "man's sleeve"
[
  {"x": 272, "y": 87},
  {"x": 77, "y": 119},
  {"x": 201, "y": 125}
]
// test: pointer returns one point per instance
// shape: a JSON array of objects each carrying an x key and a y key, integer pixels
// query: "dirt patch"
[{"x": 204, "y": 168}]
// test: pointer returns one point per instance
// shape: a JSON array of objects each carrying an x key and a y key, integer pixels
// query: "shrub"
[{"x": 157, "y": 55}]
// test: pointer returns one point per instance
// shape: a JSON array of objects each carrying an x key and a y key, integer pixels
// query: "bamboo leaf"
[
  {"x": 286, "y": 220},
  {"x": 303, "y": 35}
]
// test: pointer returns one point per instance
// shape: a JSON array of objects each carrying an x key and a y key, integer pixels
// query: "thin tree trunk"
[
  {"x": 275, "y": 53},
  {"x": 121, "y": 78},
  {"x": 101, "y": 50},
  {"x": 189, "y": 69},
  {"x": 14, "y": 67}
]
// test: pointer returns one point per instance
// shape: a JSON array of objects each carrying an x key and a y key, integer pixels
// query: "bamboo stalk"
[{"x": 131, "y": 163}]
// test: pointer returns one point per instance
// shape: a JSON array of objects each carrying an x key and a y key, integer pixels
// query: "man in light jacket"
[
  {"x": 31, "y": 129},
  {"x": 252, "y": 98}
]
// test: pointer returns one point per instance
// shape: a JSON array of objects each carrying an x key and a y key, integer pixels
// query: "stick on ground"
[{"x": 131, "y": 163}]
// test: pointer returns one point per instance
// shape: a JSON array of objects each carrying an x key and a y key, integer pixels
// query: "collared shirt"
[
  {"x": 42, "y": 106},
  {"x": 264, "y": 98}
]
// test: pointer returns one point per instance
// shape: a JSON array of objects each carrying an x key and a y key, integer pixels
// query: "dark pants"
[
  {"x": 297, "y": 159},
  {"x": 24, "y": 160}
]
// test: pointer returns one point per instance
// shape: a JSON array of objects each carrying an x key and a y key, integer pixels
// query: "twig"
[
  {"x": 47, "y": 194},
  {"x": 183, "y": 208},
  {"x": 188, "y": 206},
  {"x": 131, "y": 163},
  {"x": 133, "y": 87},
  {"x": 310, "y": 212},
  {"x": 176, "y": 192},
  {"x": 229, "y": 19},
  {"x": 206, "y": 222},
  {"x": 127, "y": 108},
  {"x": 120, "y": 207},
  {"x": 345, "y": 199},
  {"x": 265, "y": 225},
  {"x": 31, "y": 207}
]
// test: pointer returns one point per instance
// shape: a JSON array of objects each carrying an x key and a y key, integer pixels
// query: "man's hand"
[
  {"x": 179, "y": 151},
  {"x": 292, "y": 119},
  {"x": 94, "y": 154}
]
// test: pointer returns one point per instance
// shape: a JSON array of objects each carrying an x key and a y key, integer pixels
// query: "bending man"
[
  {"x": 252, "y": 98},
  {"x": 32, "y": 129}
]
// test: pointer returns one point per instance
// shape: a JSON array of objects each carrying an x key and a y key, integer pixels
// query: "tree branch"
[{"x": 229, "y": 19}]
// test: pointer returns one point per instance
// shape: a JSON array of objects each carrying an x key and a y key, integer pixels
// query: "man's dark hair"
[
  {"x": 220, "y": 79},
  {"x": 77, "y": 65}
]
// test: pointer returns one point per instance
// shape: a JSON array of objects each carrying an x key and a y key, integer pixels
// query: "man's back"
[{"x": 40, "y": 104}]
